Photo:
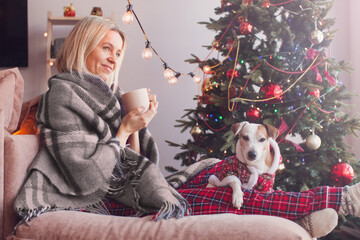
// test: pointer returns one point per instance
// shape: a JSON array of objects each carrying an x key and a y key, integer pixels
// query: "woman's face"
[{"x": 103, "y": 60}]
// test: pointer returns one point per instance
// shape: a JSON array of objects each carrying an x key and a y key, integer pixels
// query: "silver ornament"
[{"x": 317, "y": 36}]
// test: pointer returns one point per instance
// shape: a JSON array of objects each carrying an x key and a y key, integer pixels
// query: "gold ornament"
[{"x": 196, "y": 131}]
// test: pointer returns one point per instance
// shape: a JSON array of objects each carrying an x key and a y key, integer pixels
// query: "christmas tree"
[{"x": 274, "y": 67}]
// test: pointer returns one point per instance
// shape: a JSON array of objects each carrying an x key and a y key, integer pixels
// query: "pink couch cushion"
[
  {"x": 11, "y": 92},
  {"x": 77, "y": 225},
  {"x": 19, "y": 152}
]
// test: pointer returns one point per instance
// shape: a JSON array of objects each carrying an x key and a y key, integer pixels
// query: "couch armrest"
[
  {"x": 86, "y": 226},
  {"x": 19, "y": 153}
]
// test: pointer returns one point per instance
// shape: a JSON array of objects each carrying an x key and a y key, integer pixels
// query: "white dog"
[{"x": 256, "y": 153}]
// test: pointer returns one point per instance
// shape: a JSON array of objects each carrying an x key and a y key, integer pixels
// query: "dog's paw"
[
  {"x": 237, "y": 199},
  {"x": 210, "y": 185}
]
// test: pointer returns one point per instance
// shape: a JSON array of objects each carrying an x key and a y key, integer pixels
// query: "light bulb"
[
  {"x": 147, "y": 54},
  {"x": 173, "y": 80},
  {"x": 207, "y": 69},
  {"x": 168, "y": 73},
  {"x": 128, "y": 17},
  {"x": 51, "y": 63},
  {"x": 45, "y": 34},
  {"x": 196, "y": 78}
]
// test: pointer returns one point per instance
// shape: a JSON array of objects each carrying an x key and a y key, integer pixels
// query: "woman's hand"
[{"x": 136, "y": 120}]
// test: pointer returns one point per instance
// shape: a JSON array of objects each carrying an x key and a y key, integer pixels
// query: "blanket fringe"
[
  {"x": 170, "y": 210},
  {"x": 28, "y": 215}
]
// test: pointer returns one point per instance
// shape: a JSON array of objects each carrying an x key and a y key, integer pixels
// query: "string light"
[
  {"x": 168, "y": 73},
  {"x": 128, "y": 17},
  {"x": 45, "y": 34},
  {"x": 147, "y": 54},
  {"x": 174, "y": 79},
  {"x": 207, "y": 69},
  {"x": 196, "y": 78}
]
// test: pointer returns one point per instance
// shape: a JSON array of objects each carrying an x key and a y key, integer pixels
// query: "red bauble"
[
  {"x": 341, "y": 174},
  {"x": 272, "y": 90},
  {"x": 316, "y": 93},
  {"x": 229, "y": 44},
  {"x": 69, "y": 11},
  {"x": 230, "y": 72},
  {"x": 266, "y": 3},
  {"x": 245, "y": 28},
  {"x": 252, "y": 114}
]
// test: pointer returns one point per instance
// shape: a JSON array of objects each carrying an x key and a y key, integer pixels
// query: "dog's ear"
[
  {"x": 272, "y": 131},
  {"x": 236, "y": 127}
]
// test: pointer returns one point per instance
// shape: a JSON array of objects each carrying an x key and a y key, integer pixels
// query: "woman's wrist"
[{"x": 122, "y": 135}]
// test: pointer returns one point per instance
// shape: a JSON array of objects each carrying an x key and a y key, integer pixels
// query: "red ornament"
[
  {"x": 230, "y": 72},
  {"x": 252, "y": 114},
  {"x": 69, "y": 11},
  {"x": 316, "y": 93},
  {"x": 245, "y": 28},
  {"x": 266, "y": 3},
  {"x": 272, "y": 90},
  {"x": 341, "y": 174},
  {"x": 229, "y": 44}
]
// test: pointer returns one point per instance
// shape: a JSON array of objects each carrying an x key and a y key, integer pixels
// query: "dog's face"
[{"x": 253, "y": 143}]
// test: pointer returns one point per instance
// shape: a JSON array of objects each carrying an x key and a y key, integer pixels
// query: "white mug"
[{"x": 136, "y": 98}]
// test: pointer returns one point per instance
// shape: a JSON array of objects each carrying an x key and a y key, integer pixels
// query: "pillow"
[
  {"x": 11, "y": 94},
  {"x": 27, "y": 123}
]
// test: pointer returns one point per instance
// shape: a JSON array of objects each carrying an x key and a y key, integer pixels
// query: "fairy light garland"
[
  {"x": 276, "y": 96},
  {"x": 172, "y": 77}
]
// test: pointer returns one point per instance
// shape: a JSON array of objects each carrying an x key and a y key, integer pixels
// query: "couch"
[{"x": 19, "y": 144}]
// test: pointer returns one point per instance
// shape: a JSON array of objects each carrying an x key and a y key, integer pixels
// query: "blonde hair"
[{"x": 82, "y": 39}]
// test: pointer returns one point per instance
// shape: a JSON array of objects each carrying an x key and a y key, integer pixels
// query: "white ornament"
[
  {"x": 313, "y": 142},
  {"x": 317, "y": 36}
]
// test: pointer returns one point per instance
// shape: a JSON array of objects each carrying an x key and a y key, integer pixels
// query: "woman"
[
  {"x": 85, "y": 130},
  {"x": 85, "y": 158}
]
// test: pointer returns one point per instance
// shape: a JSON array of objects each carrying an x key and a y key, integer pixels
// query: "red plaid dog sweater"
[{"x": 233, "y": 167}]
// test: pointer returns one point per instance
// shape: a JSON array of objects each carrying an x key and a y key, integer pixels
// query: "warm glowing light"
[
  {"x": 128, "y": 17},
  {"x": 207, "y": 69},
  {"x": 45, "y": 34},
  {"x": 51, "y": 63},
  {"x": 173, "y": 80},
  {"x": 168, "y": 73},
  {"x": 197, "y": 78},
  {"x": 147, "y": 54}
]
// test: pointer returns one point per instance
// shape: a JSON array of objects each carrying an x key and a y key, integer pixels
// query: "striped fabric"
[{"x": 290, "y": 205}]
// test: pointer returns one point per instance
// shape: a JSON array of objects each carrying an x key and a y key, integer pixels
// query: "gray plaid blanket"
[{"x": 81, "y": 161}]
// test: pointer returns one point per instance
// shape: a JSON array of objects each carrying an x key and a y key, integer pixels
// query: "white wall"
[
  {"x": 345, "y": 46},
  {"x": 173, "y": 30}
]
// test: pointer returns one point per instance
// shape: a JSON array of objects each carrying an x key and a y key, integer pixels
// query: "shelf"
[{"x": 64, "y": 20}]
